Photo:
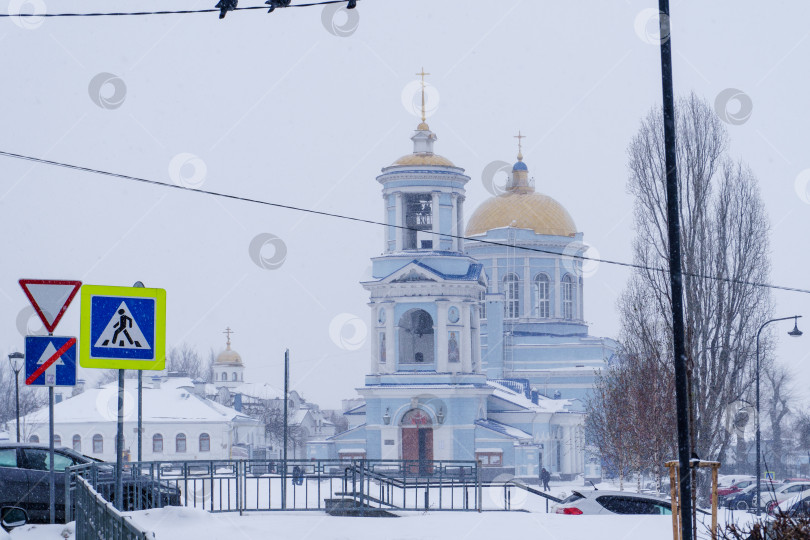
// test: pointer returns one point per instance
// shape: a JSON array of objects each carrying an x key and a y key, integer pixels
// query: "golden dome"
[
  {"x": 423, "y": 158},
  {"x": 522, "y": 210},
  {"x": 229, "y": 357}
]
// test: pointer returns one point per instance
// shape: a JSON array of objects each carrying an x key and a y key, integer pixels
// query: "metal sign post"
[
  {"x": 119, "y": 446},
  {"x": 49, "y": 361},
  {"x": 123, "y": 328},
  {"x": 284, "y": 460}
]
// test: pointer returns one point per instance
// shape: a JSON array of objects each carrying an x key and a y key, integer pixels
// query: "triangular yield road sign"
[{"x": 50, "y": 298}]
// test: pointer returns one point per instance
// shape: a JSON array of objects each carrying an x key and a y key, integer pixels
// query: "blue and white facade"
[
  {"x": 533, "y": 323},
  {"x": 427, "y": 395}
]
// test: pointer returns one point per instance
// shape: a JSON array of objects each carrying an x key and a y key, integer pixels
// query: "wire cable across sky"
[
  {"x": 166, "y": 12},
  {"x": 379, "y": 223}
]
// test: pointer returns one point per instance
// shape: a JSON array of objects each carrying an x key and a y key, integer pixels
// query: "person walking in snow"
[{"x": 545, "y": 476}]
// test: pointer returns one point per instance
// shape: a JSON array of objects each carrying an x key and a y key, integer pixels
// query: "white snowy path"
[{"x": 178, "y": 523}]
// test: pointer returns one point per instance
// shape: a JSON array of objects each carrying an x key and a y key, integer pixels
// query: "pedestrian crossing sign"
[{"x": 123, "y": 328}]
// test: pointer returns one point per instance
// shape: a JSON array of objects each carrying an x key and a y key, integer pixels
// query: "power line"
[
  {"x": 379, "y": 223},
  {"x": 170, "y": 12}
]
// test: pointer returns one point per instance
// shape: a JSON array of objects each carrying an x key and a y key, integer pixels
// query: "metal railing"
[
  {"x": 364, "y": 486},
  {"x": 249, "y": 485},
  {"x": 97, "y": 518}
]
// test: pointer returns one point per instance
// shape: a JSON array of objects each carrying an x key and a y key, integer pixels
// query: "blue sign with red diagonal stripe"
[{"x": 50, "y": 361}]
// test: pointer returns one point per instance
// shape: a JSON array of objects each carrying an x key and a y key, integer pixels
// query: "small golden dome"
[
  {"x": 423, "y": 158},
  {"x": 522, "y": 210},
  {"x": 229, "y": 357},
  {"x": 422, "y": 127}
]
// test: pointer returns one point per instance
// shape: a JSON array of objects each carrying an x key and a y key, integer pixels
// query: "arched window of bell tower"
[
  {"x": 418, "y": 220},
  {"x": 416, "y": 338}
]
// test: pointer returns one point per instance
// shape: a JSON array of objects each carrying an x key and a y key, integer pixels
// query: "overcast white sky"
[{"x": 277, "y": 107}]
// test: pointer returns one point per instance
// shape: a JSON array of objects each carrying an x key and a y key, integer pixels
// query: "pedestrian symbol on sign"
[{"x": 122, "y": 331}]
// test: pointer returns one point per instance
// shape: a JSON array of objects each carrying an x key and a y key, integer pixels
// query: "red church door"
[{"x": 417, "y": 442}]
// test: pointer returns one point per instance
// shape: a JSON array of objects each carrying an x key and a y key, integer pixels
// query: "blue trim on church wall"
[{"x": 446, "y": 263}]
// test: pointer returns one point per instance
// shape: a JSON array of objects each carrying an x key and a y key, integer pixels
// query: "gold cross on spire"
[
  {"x": 519, "y": 137},
  {"x": 228, "y": 332},
  {"x": 422, "y": 74}
]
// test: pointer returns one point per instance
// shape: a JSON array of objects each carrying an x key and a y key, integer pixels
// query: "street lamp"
[
  {"x": 17, "y": 359},
  {"x": 793, "y": 333}
]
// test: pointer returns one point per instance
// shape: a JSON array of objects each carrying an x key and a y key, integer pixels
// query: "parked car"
[
  {"x": 612, "y": 502},
  {"x": 746, "y": 499},
  {"x": 735, "y": 487},
  {"x": 24, "y": 475},
  {"x": 771, "y": 498},
  {"x": 796, "y": 506}
]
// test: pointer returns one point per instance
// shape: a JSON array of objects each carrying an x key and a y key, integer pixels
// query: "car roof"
[
  {"x": 42, "y": 446},
  {"x": 600, "y": 492}
]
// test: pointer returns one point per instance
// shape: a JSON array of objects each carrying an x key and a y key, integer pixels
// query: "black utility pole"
[
  {"x": 284, "y": 458},
  {"x": 676, "y": 279}
]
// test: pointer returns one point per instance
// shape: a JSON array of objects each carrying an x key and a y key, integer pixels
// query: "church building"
[
  {"x": 533, "y": 325},
  {"x": 427, "y": 395}
]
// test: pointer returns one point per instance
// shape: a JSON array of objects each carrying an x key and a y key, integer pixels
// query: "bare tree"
[
  {"x": 801, "y": 429},
  {"x": 778, "y": 402},
  {"x": 630, "y": 416},
  {"x": 31, "y": 399},
  {"x": 607, "y": 421},
  {"x": 724, "y": 241},
  {"x": 186, "y": 359}
]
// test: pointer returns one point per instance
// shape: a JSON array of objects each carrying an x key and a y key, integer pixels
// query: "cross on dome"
[
  {"x": 423, "y": 126},
  {"x": 519, "y": 137},
  {"x": 228, "y": 332}
]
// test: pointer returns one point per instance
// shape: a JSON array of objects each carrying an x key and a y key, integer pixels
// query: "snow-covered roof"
[
  {"x": 544, "y": 404},
  {"x": 503, "y": 429},
  {"x": 298, "y": 416},
  {"x": 253, "y": 390},
  {"x": 174, "y": 401}
]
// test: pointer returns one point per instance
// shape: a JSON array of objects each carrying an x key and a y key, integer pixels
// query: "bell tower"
[{"x": 425, "y": 311}]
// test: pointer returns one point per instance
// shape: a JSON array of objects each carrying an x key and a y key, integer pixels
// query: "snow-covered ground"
[{"x": 178, "y": 523}]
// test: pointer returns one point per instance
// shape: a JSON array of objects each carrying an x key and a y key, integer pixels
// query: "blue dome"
[{"x": 519, "y": 166}]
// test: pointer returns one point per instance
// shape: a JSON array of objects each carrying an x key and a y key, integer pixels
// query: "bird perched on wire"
[
  {"x": 277, "y": 3},
  {"x": 225, "y": 6}
]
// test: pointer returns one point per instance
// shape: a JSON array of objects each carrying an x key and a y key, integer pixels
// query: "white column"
[
  {"x": 580, "y": 297},
  {"x": 557, "y": 290},
  {"x": 476, "y": 337},
  {"x": 398, "y": 217},
  {"x": 460, "y": 222},
  {"x": 390, "y": 340},
  {"x": 527, "y": 289},
  {"x": 375, "y": 340},
  {"x": 434, "y": 209},
  {"x": 454, "y": 220},
  {"x": 466, "y": 359},
  {"x": 442, "y": 365}
]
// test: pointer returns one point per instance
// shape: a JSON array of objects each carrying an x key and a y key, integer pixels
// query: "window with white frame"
[
  {"x": 567, "y": 297},
  {"x": 541, "y": 296},
  {"x": 157, "y": 443},
  {"x": 180, "y": 443},
  {"x": 511, "y": 289},
  {"x": 98, "y": 444},
  {"x": 205, "y": 442}
]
